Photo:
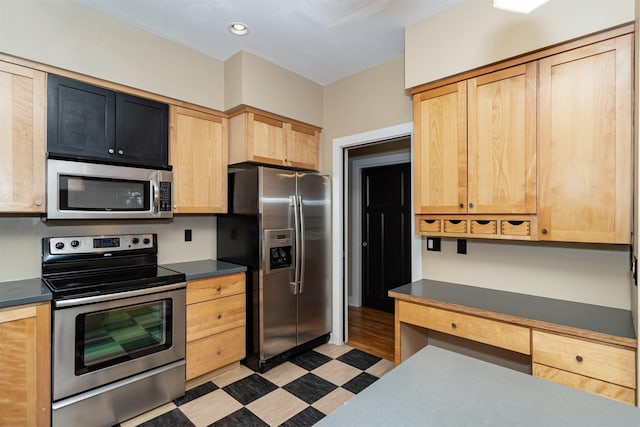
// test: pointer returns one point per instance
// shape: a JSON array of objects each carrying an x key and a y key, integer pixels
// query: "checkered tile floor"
[{"x": 296, "y": 393}]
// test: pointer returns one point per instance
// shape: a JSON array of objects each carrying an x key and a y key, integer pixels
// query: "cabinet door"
[
  {"x": 303, "y": 147},
  {"x": 25, "y": 375},
  {"x": 585, "y": 139},
  {"x": 502, "y": 141},
  {"x": 266, "y": 140},
  {"x": 22, "y": 128},
  {"x": 142, "y": 131},
  {"x": 80, "y": 119},
  {"x": 440, "y": 152},
  {"x": 199, "y": 158}
]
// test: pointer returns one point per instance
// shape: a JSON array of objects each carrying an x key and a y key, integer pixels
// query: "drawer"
[
  {"x": 483, "y": 226},
  {"x": 492, "y": 332},
  {"x": 214, "y": 316},
  {"x": 515, "y": 228},
  {"x": 214, "y": 352},
  {"x": 612, "y": 364},
  {"x": 199, "y": 290},
  {"x": 430, "y": 225},
  {"x": 612, "y": 391},
  {"x": 455, "y": 225}
]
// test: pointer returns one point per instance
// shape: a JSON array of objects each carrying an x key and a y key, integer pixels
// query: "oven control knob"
[
  {"x": 135, "y": 240},
  {"x": 146, "y": 241},
  {"x": 59, "y": 245},
  {"x": 75, "y": 243}
]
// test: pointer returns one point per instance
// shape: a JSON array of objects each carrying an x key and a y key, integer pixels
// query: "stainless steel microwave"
[{"x": 80, "y": 190}]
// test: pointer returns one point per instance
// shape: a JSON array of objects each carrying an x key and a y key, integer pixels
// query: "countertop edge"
[{"x": 518, "y": 320}]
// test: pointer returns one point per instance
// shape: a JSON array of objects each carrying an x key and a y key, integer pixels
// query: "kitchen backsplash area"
[{"x": 20, "y": 240}]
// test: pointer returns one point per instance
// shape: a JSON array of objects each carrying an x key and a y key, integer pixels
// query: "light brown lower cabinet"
[
  {"x": 216, "y": 321},
  {"x": 25, "y": 365},
  {"x": 594, "y": 367}
]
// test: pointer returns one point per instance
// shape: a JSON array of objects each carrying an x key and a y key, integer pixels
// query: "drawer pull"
[
  {"x": 219, "y": 288},
  {"x": 430, "y": 221},
  {"x": 579, "y": 358},
  {"x": 483, "y": 222},
  {"x": 218, "y": 352},
  {"x": 453, "y": 325},
  {"x": 455, "y": 221},
  {"x": 515, "y": 222},
  {"x": 219, "y": 316}
]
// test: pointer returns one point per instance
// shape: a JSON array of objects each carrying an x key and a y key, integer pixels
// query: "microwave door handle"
[
  {"x": 296, "y": 262},
  {"x": 302, "y": 244},
  {"x": 155, "y": 189}
]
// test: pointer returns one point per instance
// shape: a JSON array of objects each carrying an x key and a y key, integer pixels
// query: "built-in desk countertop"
[{"x": 589, "y": 347}]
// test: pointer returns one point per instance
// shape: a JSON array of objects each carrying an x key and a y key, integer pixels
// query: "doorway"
[
  {"x": 343, "y": 208},
  {"x": 371, "y": 166}
]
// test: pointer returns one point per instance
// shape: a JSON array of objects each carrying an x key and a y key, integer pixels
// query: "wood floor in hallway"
[{"x": 371, "y": 331}]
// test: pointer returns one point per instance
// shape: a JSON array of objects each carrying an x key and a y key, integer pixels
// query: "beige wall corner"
[
  {"x": 473, "y": 34},
  {"x": 275, "y": 89},
  {"x": 69, "y": 35},
  {"x": 233, "y": 81},
  {"x": 369, "y": 100}
]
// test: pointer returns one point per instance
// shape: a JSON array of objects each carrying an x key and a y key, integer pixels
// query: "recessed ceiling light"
[
  {"x": 238, "y": 28},
  {"x": 518, "y": 6}
]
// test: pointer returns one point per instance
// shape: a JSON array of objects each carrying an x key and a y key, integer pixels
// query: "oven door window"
[
  {"x": 82, "y": 193},
  {"x": 109, "y": 337}
]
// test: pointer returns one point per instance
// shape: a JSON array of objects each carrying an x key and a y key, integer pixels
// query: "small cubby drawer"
[
  {"x": 430, "y": 225},
  {"x": 483, "y": 226},
  {"x": 515, "y": 228},
  {"x": 455, "y": 225}
]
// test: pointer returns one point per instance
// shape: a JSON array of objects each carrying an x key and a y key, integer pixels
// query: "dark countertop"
[
  {"x": 26, "y": 291},
  {"x": 607, "y": 320},
  {"x": 205, "y": 268},
  {"x": 436, "y": 387}
]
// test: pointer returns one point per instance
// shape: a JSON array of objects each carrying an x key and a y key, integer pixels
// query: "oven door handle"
[{"x": 117, "y": 295}]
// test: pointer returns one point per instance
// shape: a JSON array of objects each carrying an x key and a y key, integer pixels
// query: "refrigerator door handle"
[
  {"x": 302, "y": 243},
  {"x": 296, "y": 230}
]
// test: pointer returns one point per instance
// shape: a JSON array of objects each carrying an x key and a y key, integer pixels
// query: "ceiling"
[{"x": 322, "y": 40}]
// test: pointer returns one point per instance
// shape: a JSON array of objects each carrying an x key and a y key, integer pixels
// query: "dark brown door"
[{"x": 386, "y": 232}]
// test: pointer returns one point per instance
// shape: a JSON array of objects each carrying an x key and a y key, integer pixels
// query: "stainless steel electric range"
[{"x": 118, "y": 328}]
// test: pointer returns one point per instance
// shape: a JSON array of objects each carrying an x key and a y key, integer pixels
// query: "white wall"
[{"x": 473, "y": 34}]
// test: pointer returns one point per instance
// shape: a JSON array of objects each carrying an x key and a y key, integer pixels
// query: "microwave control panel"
[{"x": 165, "y": 197}]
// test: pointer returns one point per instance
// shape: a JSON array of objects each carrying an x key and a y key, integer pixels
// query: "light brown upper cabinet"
[
  {"x": 261, "y": 137},
  {"x": 585, "y": 143},
  {"x": 475, "y": 149},
  {"x": 22, "y": 139},
  {"x": 199, "y": 155}
]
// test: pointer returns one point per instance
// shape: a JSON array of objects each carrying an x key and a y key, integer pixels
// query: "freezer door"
[
  {"x": 314, "y": 297},
  {"x": 277, "y": 297}
]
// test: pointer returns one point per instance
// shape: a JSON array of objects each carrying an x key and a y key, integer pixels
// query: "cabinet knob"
[
  {"x": 462, "y": 205},
  {"x": 38, "y": 202},
  {"x": 218, "y": 351},
  {"x": 121, "y": 152},
  {"x": 453, "y": 325},
  {"x": 544, "y": 230},
  {"x": 579, "y": 358},
  {"x": 111, "y": 151},
  {"x": 471, "y": 204},
  {"x": 219, "y": 316},
  {"x": 219, "y": 288}
]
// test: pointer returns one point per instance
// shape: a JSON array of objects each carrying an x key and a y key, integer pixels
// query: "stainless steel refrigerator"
[{"x": 279, "y": 226}]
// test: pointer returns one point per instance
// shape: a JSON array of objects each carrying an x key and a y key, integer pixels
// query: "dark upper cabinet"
[{"x": 86, "y": 122}]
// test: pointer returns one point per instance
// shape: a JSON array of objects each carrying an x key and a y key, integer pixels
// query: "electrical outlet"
[
  {"x": 433, "y": 244},
  {"x": 187, "y": 235},
  {"x": 462, "y": 246}
]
